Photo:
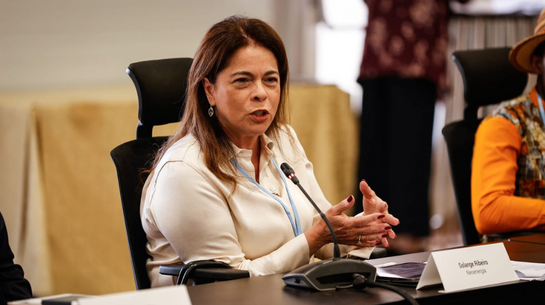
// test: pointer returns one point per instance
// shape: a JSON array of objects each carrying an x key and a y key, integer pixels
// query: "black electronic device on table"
[{"x": 329, "y": 274}]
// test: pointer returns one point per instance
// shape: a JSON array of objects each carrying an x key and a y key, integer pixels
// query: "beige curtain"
[{"x": 466, "y": 33}]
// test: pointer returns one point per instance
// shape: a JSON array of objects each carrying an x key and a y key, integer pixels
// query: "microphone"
[
  {"x": 290, "y": 173},
  {"x": 327, "y": 274}
]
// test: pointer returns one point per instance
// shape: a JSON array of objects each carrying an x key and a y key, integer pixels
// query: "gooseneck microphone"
[
  {"x": 327, "y": 274},
  {"x": 290, "y": 173}
]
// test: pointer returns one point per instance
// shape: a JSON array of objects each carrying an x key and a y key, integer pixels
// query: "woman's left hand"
[{"x": 373, "y": 204}]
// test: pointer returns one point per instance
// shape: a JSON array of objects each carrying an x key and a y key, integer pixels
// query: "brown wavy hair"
[{"x": 213, "y": 55}]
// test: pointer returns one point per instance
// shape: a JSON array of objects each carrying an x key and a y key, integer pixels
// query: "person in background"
[
  {"x": 403, "y": 73},
  {"x": 508, "y": 170},
  {"x": 216, "y": 191},
  {"x": 13, "y": 285}
]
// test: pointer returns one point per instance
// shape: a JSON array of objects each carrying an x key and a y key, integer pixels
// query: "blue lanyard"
[
  {"x": 541, "y": 111},
  {"x": 296, "y": 226}
]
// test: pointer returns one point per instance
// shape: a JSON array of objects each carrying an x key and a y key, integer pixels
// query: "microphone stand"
[
  {"x": 327, "y": 274},
  {"x": 336, "y": 251}
]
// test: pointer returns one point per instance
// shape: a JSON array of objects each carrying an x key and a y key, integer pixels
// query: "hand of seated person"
[
  {"x": 373, "y": 204},
  {"x": 368, "y": 230}
]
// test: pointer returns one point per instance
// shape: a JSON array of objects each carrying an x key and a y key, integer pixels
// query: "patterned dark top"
[{"x": 406, "y": 38}]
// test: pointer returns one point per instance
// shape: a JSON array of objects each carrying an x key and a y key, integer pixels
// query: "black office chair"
[
  {"x": 160, "y": 85},
  {"x": 488, "y": 78}
]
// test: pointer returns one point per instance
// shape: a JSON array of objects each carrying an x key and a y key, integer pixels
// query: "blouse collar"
[{"x": 267, "y": 146}]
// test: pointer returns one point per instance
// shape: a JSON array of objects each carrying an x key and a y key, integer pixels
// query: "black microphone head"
[
  {"x": 286, "y": 168},
  {"x": 289, "y": 172}
]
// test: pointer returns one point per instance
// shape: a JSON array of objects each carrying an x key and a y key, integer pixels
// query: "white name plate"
[
  {"x": 170, "y": 295},
  {"x": 468, "y": 268}
]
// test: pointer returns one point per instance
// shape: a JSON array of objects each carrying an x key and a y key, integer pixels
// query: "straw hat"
[{"x": 521, "y": 53}]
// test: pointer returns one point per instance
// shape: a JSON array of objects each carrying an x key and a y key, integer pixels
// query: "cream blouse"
[{"x": 188, "y": 214}]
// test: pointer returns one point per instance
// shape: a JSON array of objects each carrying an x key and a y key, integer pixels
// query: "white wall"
[
  {"x": 66, "y": 43},
  {"x": 339, "y": 46}
]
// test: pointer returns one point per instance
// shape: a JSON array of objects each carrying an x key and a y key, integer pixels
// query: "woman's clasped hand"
[{"x": 370, "y": 229}]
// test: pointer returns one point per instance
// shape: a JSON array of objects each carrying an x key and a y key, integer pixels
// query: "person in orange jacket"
[{"x": 508, "y": 171}]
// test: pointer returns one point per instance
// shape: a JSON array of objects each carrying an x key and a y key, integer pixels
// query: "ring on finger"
[{"x": 359, "y": 241}]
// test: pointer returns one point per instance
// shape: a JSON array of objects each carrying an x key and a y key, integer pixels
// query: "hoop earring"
[{"x": 210, "y": 111}]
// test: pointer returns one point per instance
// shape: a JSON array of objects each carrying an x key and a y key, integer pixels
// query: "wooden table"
[{"x": 536, "y": 238}]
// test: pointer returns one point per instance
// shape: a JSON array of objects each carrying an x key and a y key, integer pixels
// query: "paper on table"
[
  {"x": 38, "y": 301},
  {"x": 407, "y": 270},
  {"x": 529, "y": 271},
  {"x": 170, "y": 295}
]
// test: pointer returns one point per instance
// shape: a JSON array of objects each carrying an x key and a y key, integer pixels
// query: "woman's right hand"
[
  {"x": 348, "y": 229},
  {"x": 374, "y": 204}
]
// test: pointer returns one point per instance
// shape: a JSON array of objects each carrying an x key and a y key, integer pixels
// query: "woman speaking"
[{"x": 216, "y": 191}]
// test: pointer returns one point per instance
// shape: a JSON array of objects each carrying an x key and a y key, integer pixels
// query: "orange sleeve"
[{"x": 495, "y": 207}]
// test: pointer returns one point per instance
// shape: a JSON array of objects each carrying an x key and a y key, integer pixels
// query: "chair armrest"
[
  {"x": 220, "y": 274},
  {"x": 173, "y": 270},
  {"x": 203, "y": 271}
]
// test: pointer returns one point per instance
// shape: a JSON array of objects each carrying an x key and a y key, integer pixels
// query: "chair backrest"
[
  {"x": 488, "y": 78},
  {"x": 130, "y": 159},
  {"x": 161, "y": 86}
]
